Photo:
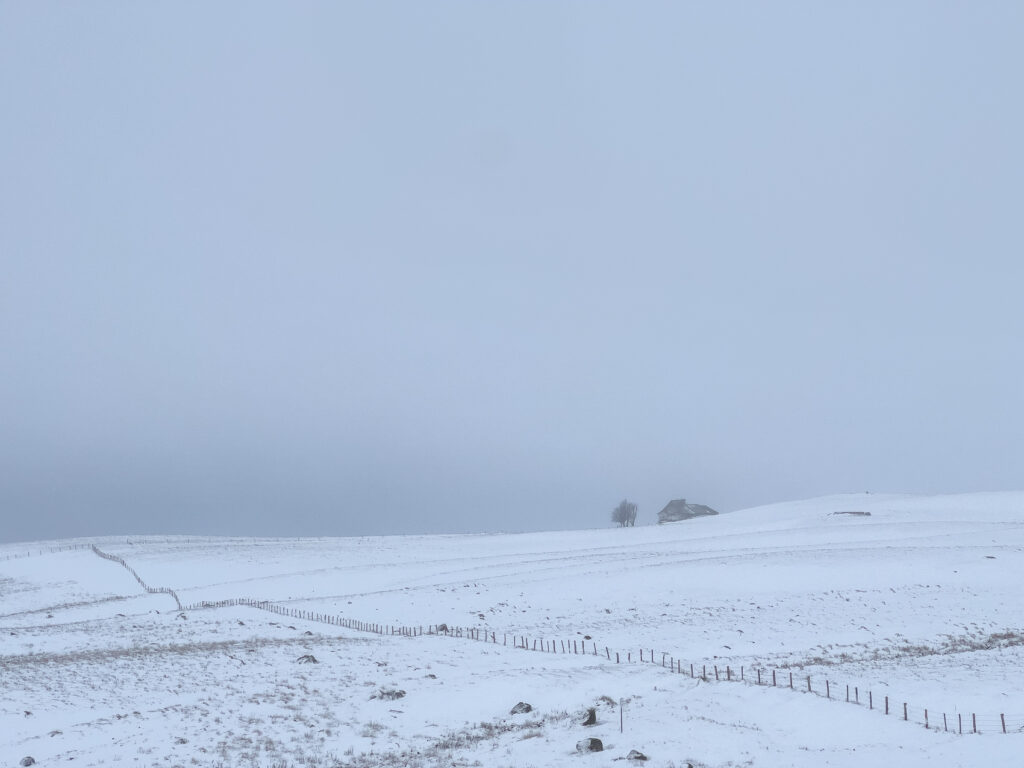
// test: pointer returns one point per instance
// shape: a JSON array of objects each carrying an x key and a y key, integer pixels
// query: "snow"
[{"x": 918, "y": 601}]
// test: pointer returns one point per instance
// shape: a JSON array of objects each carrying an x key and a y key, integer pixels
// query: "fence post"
[
  {"x": 759, "y": 677},
  {"x": 773, "y": 678},
  {"x": 616, "y": 657},
  {"x": 808, "y": 683},
  {"x": 960, "y": 723},
  {"x": 974, "y": 722},
  {"x": 926, "y": 718},
  {"x": 828, "y": 692},
  {"x": 871, "y": 701},
  {"x": 904, "y": 710},
  {"x": 728, "y": 673},
  {"x": 791, "y": 681},
  {"x": 1003, "y": 719},
  {"x": 691, "y": 671},
  {"x": 887, "y": 705},
  {"x": 716, "y": 672},
  {"x": 945, "y": 727}
]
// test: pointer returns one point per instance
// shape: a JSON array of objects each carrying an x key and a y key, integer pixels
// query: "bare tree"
[{"x": 624, "y": 514}]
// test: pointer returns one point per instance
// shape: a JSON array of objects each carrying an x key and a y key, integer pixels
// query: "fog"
[{"x": 377, "y": 268}]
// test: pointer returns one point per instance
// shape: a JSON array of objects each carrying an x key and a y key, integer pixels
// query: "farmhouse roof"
[{"x": 679, "y": 509}]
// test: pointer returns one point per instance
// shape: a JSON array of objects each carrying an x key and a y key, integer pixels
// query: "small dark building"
[{"x": 678, "y": 509}]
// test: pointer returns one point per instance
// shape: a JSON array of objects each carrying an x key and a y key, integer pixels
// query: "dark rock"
[
  {"x": 635, "y": 755},
  {"x": 521, "y": 708},
  {"x": 589, "y": 745},
  {"x": 307, "y": 658},
  {"x": 591, "y": 718},
  {"x": 442, "y": 628},
  {"x": 388, "y": 694},
  {"x": 26, "y": 761}
]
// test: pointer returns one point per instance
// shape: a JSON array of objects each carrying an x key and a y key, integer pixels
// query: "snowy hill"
[{"x": 916, "y": 600}]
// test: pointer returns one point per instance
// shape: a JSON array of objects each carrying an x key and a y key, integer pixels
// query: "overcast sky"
[{"x": 354, "y": 268}]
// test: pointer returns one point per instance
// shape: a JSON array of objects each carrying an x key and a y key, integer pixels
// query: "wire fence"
[
  {"x": 144, "y": 585},
  {"x": 38, "y": 551},
  {"x": 959, "y": 723},
  {"x": 44, "y": 551}
]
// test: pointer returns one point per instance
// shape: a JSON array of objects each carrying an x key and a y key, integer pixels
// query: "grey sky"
[{"x": 329, "y": 268}]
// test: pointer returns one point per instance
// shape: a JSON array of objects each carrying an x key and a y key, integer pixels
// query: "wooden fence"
[
  {"x": 144, "y": 585},
  {"x": 960, "y": 723},
  {"x": 44, "y": 551}
]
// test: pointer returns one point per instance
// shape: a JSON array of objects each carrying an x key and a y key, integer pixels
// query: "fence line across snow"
[
  {"x": 44, "y": 551},
  {"x": 144, "y": 585},
  {"x": 959, "y": 723}
]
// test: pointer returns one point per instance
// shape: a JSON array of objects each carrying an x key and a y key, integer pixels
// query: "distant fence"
[
  {"x": 959, "y": 723},
  {"x": 325, "y": 618},
  {"x": 144, "y": 585},
  {"x": 44, "y": 551}
]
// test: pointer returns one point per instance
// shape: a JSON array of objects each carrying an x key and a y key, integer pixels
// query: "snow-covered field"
[{"x": 918, "y": 601}]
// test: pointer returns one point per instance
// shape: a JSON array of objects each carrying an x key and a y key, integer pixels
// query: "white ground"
[{"x": 920, "y": 602}]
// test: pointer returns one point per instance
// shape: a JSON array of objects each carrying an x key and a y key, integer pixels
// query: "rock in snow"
[{"x": 589, "y": 745}]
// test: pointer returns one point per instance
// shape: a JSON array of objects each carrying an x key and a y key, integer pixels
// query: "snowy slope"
[{"x": 918, "y": 601}]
